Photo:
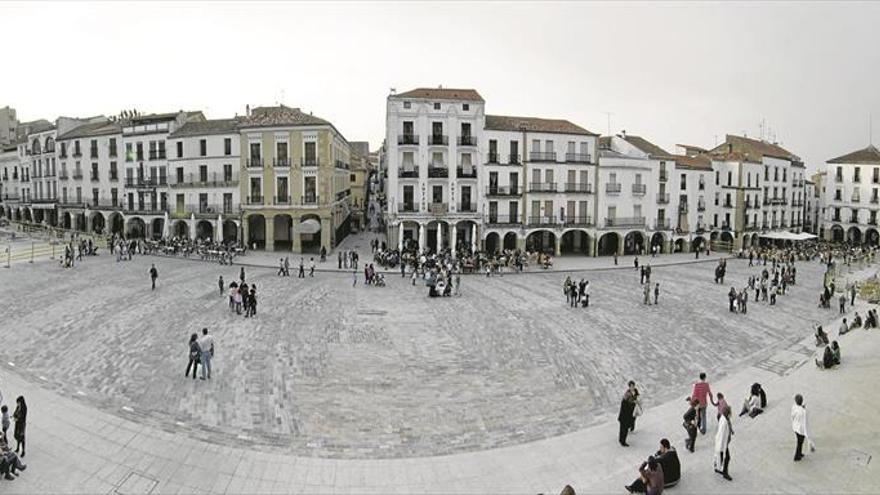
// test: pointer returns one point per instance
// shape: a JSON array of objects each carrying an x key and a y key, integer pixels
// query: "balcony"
[
  {"x": 683, "y": 208},
  {"x": 701, "y": 186},
  {"x": 254, "y": 200},
  {"x": 542, "y": 221},
  {"x": 470, "y": 173},
  {"x": 309, "y": 162},
  {"x": 661, "y": 224},
  {"x": 542, "y": 156},
  {"x": 505, "y": 221},
  {"x": 156, "y": 155},
  {"x": 341, "y": 165},
  {"x": 63, "y": 175},
  {"x": 282, "y": 200},
  {"x": 577, "y": 157},
  {"x": 854, "y": 220},
  {"x": 663, "y": 176},
  {"x": 309, "y": 200},
  {"x": 513, "y": 159},
  {"x": 438, "y": 140},
  {"x": 613, "y": 188},
  {"x": 438, "y": 172},
  {"x": 625, "y": 222},
  {"x": 467, "y": 140},
  {"x": 143, "y": 209},
  {"x": 407, "y": 140},
  {"x": 662, "y": 198},
  {"x": 281, "y": 162},
  {"x": 77, "y": 154},
  {"x": 114, "y": 177},
  {"x": 94, "y": 177},
  {"x": 408, "y": 174},
  {"x": 576, "y": 221},
  {"x": 503, "y": 191},
  {"x": 406, "y": 208},
  {"x": 728, "y": 204},
  {"x": 77, "y": 175},
  {"x": 856, "y": 198},
  {"x": 538, "y": 187},
  {"x": 492, "y": 158},
  {"x": 151, "y": 183},
  {"x": 93, "y": 153},
  {"x": 254, "y": 162},
  {"x": 438, "y": 208},
  {"x": 215, "y": 180},
  {"x": 112, "y": 153},
  {"x": 467, "y": 207},
  {"x": 875, "y": 200},
  {"x": 575, "y": 187}
]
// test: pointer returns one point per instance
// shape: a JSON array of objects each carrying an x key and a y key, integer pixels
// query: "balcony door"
[
  {"x": 465, "y": 198},
  {"x": 513, "y": 211},
  {"x": 493, "y": 212},
  {"x": 493, "y": 182}
]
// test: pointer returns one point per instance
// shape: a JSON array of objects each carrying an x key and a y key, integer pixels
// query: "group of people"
[
  {"x": 241, "y": 296},
  {"x": 576, "y": 293},
  {"x": 201, "y": 352},
  {"x": 11, "y": 459},
  {"x": 75, "y": 250},
  {"x": 348, "y": 259}
]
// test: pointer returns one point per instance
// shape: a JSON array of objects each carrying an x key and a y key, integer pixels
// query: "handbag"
[{"x": 637, "y": 411}]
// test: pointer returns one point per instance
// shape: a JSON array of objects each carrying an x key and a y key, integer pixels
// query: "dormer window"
[
  {"x": 436, "y": 106},
  {"x": 407, "y": 104},
  {"x": 466, "y": 107}
]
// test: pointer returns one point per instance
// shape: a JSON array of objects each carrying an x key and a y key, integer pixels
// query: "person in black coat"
[
  {"x": 625, "y": 416},
  {"x": 667, "y": 457},
  {"x": 20, "y": 417}
]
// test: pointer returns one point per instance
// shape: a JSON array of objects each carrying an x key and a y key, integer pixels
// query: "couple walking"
[{"x": 201, "y": 351}]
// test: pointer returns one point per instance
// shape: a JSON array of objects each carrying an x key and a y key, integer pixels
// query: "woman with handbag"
[
  {"x": 194, "y": 353},
  {"x": 637, "y": 408},
  {"x": 690, "y": 424}
]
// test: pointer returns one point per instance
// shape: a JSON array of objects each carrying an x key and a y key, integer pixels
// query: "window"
[
  {"x": 140, "y": 152},
  {"x": 683, "y": 183},
  {"x": 465, "y": 107},
  {"x": 281, "y": 190},
  {"x": 729, "y": 178},
  {"x": 179, "y": 175},
  {"x": 352, "y": 178},
  {"x": 203, "y": 147},
  {"x": 437, "y": 159},
  {"x": 203, "y": 173},
  {"x": 408, "y": 198},
  {"x": 437, "y": 194},
  {"x": 465, "y": 129},
  {"x": 162, "y": 150},
  {"x": 311, "y": 154},
  {"x": 113, "y": 147},
  {"x": 281, "y": 153},
  {"x": 128, "y": 153},
  {"x": 436, "y": 106},
  {"x": 93, "y": 148},
  {"x": 717, "y": 178},
  {"x": 227, "y": 146},
  {"x": 255, "y": 152},
  {"x": 227, "y": 172},
  {"x": 407, "y": 105},
  {"x": 180, "y": 149}
]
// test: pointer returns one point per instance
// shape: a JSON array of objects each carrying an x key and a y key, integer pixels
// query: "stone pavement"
[{"x": 532, "y": 388}]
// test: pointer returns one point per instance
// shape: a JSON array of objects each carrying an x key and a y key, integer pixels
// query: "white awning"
[
  {"x": 788, "y": 236},
  {"x": 310, "y": 226}
]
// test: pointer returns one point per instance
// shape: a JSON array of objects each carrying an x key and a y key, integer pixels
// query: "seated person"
[
  {"x": 821, "y": 336},
  {"x": 827, "y": 360},
  {"x": 871, "y": 319},
  {"x": 667, "y": 458},
  {"x": 752, "y": 405},
  {"x": 835, "y": 353},
  {"x": 844, "y": 327},
  {"x": 857, "y": 322},
  {"x": 9, "y": 460}
]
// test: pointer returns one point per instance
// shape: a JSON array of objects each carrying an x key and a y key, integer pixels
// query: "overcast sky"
[{"x": 671, "y": 72}]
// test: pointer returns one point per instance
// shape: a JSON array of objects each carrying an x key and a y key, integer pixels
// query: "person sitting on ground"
[
  {"x": 821, "y": 336},
  {"x": 835, "y": 353},
  {"x": 752, "y": 405},
  {"x": 9, "y": 461},
  {"x": 650, "y": 480},
  {"x": 827, "y": 360},
  {"x": 844, "y": 327},
  {"x": 667, "y": 457},
  {"x": 871, "y": 319},
  {"x": 857, "y": 322}
]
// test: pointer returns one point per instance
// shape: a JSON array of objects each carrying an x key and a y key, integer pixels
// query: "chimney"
[
  {"x": 623, "y": 133},
  {"x": 247, "y": 110},
  {"x": 730, "y": 147}
]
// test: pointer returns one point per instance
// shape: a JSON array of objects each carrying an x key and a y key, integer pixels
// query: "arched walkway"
[
  {"x": 204, "y": 230},
  {"x": 230, "y": 231},
  {"x": 679, "y": 245},
  {"x": 80, "y": 222},
  {"x": 410, "y": 239},
  {"x": 97, "y": 220},
  {"x": 464, "y": 235},
  {"x": 136, "y": 228},
  {"x": 310, "y": 233},
  {"x": 609, "y": 244},
  {"x": 256, "y": 231},
  {"x": 837, "y": 234},
  {"x": 283, "y": 232},
  {"x": 38, "y": 216},
  {"x": 747, "y": 241},
  {"x": 658, "y": 239},
  {"x": 116, "y": 223},
  {"x": 854, "y": 236},
  {"x": 575, "y": 241},
  {"x": 26, "y": 215},
  {"x": 180, "y": 229},
  {"x": 52, "y": 218},
  {"x": 727, "y": 237},
  {"x": 432, "y": 231},
  {"x": 541, "y": 240},
  {"x": 510, "y": 240},
  {"x": 698, "y": 243},
  {"x": 493, "y": 241},
  {"x": 158, "y": 226},
  {"x": 872, "y": 238},
  {"x": 634, "y": 243}
]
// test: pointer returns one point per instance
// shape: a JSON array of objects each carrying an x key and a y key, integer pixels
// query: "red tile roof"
[
  {"x": 698, "y": 162},
  {"x": 532, "y": 124},
  {"x": 869, "y": 155},
  {"x": 442, "y": 94},
  {"x": 753, "y": 148}
]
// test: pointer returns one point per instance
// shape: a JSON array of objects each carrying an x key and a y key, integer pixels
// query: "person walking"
[
  {"x": 194, "y": 353},
  {"x": 302, "y": 270},
  {"x": 286, "y": 266},
  {"x": 690, "y": 424},
  {"x": 852, "y": 293},
  {"x": 722, "y": 445},
  {"x": 587, "y": 294},
  {"x": 703, "y": 394},
  {"x": 656, "y": 292},
  {"x": 221, "y": 284},
  {"x": 241, "y": 275},
  {"x": 647, "y": 291},
  {"x": 20, "y": 417},
  {"x": 842, "y": 303},
  {"x": 154, "y": 274},
  {"x": 206, "y": 347},
  {"x": 799, "y": 425},
  {"x": 625, "y": 415},
  {"x": 311, "y": 267}
]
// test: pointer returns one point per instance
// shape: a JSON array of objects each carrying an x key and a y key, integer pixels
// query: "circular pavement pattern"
[{"x": 329, "y": 370}]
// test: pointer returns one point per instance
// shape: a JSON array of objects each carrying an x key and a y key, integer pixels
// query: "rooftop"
[
  {"x": 280, "y": 116},
  {"x": 533, "y": 124},
  {"x": 867, "y": 156},
  {"x": 441, "y": 94},
  {"x": 92, "y": 129},
  {"x": 207, "y": 127},
  {"x": 646, "y": 146},
  {"x": 162, "y": 117},
  {"x": 697, "y": 162},
  {"x": 753, "y": 148}
]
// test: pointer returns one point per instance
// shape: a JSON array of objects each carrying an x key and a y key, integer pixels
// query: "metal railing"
[
  {"x": 467, "y": 207},
  {"x": 542, "y": 187},
  {"x": 309, "y": 161},
  {"x": 215, "y": 180},
  {"x": 408, "y": 174},
  {"x": 577, "y": 221},
  {"x": 639, "y": 188},
  {"x": 438, "y": 140},
  {"x": 625, "y": 222},
  {"x": 254, "y": 162},
  {"x": 578, "y": 187},
  {"x": 613, "y": 187},
  {"x": 663, "y": 176},
  {"x": 577, "y": 157},
  {"x": 492, "y": 158},
  {"x": 281, "y": 162},
  {"x": 542, "y": 156},
  {"x": 661, "y": 224},
  {"x": 461, "y": 173},
  {"x": 467, "y": 140},
  {"x": 406, "y": 208},
  {"x": 503, "y": 221},
  {"x": 407, "y": 139},
  {"x": 662, "y": 198},
  {"x": 513, "y": 159},
  {"x": 254, "y": 200},
  {"x": 282, "y": 200},
  {"x": 503, "y": 191},
  {"x": 438, "y": 172},
  {"x": 438, "y": 208},
  {"x": 542, "y": 220}
]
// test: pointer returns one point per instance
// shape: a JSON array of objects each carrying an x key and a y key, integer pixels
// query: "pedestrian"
[
  {"x": 286, "y": 266},
  {"x": 703, "y": 394},
  {"x": 354, "y": 277},
  {"x": 20, "y": 417},
  {"x": 311, "y": 267},
  {"x": 222, "y": 285},
  {"x": 636, "y": 262},
  {"x": 852, "y": 294},
  {"x": 457, "y": 284},
  {"x": 4, "y": 419},
  {"x": 587, "y": 294},
  {"x": 690, "y": 423},
  {"x": 302, "y": 271},
  {"x": 194, "y": 353},
  {"x": 154, "y": 274},
  {"x": 647, "y": 291},
  {"x": 799, "y": 425},
  {"x": 339, "y": 258},
  {"x": 842, "y": 303},
  {"x": 253, "y": 300},
  {"x": 722, "y": 445},
  {"x": 625, "y": 415},
  {"x": 206, "y": 348},
  {"x": 241, "y": 275},
  {"x": 615, "y": 258},
  {"x": 656, "y": 292}
]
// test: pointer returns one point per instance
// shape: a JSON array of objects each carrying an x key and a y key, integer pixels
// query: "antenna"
[
  {"x": 608, "y": 115},
  {"x": 870, "y": 129}
]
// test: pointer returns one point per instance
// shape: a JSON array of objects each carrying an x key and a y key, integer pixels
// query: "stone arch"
[
  {"x": 204, "y": 230},
  {"x": 230, "y": 231},
  {"x": 698, "y": 243},
  {"x": 713, "y": 236},
  {"x": 434, "y": 229},
  {"x": 116, "y": 223},
  {"x": 158, "y": 228},
  {"x": 282, "y": 232},
  {"x": 659, "y": 239},
  {"x": 50, "y": 144},
  {"x": 678, "y": 245},
  {"x": 36, "y": 147},
  {"x": 609, "y": 244},
  {"x": 575, "y": 241},
  {"x": 256, "y": 224},
  {"x": 493, "y": 242},
  {"x": 52, "y": 218},
  {"x": 747, "y": 241},
  {"x": 18, "y": 215},
  {"x": 509, "y": 240},
  {"x": 79, "y": 220},
  {"x": 410, "y": 239},
  {"x": 136, "y": 228},
  {"x": 872, "y": 237},
  {"x": 854, "y": 235},
  {"x": 39, "y": 216},
  {"x": 309, "y": 230},
  {"x": 727, "y": 237},
  {"x": 180, "y": 229},
  {"x": 755, "y": 240},
  {"x": 542, "y": 240},
  {"x": 26, "y": 215},
  {"x": 634, "y": 243},
  {"x": 837, "y": 233},
  {"x": 464, "y": 235},
  {"x": 96, "y": 218}
]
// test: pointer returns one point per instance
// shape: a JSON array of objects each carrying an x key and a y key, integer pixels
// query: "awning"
[
  {"x": 788, "y": 236},
  {"x": 310, "y": 226}
]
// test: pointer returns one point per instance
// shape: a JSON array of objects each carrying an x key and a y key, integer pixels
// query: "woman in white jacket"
[
  {"x": 799, "y": 425},
  {"x": 722, "y": 444}
]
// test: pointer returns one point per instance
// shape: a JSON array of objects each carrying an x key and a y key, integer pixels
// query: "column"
[
  {"x": 192, "y": 226},
  {"x": 218, "y": 229},
  {"x": 270, "y": 233},
  {"x": 400, "y": 237},
  {"x": 620, "y": 245},
  {"x": 558, "y": 240},
  {"x": 520, "y": 243},
  {"x": 292, "y": 235},
  {"x": 454, "y": 239},
  {"x": 592, "y": 244},
  {"x": 296, "y": 240},
  {"x": 439, "y": 236},
  {"x": 475, "y": 239},
  {"x": 421, "y": 237},
  {"x": 326, "y": 232},
  {"x": 245, "y": 239}
]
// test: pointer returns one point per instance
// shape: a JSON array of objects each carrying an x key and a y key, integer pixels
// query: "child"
[{"x": 5, "y": 419}]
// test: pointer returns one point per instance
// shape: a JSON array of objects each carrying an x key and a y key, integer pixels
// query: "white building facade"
[{"x": 852, "y": 197}]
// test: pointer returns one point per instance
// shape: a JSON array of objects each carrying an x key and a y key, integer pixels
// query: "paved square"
[{"x": 329, "y": 370}]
